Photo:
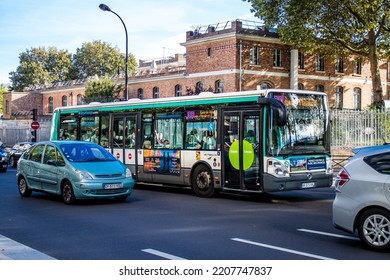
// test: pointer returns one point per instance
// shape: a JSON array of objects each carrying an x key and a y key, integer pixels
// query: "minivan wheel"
[
  {"x": 67, "y": 193},
  {"x": 23, "y": 187},
  {"x": 374, "y": 229}
]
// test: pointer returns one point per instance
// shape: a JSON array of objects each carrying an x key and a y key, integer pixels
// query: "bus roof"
[{"x": 202, "y": 98}]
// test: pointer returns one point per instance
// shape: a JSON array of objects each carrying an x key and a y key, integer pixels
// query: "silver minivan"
[{"x": 362, "y": 201}]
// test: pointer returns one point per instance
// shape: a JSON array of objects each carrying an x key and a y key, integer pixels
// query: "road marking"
[
  {"x": 328, "y": 234},
  {"x": 162, "y": 254},
  {"x": 12, "y": 250},
  {"x": 282, "y": 249}
]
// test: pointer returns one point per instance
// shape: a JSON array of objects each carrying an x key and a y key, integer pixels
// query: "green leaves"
[
  {"x": 49, "y": 65},
  {"x": 335, "y": 28}
]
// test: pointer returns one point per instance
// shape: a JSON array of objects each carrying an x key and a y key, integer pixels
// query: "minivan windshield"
[{"x": 85, "y": 152}]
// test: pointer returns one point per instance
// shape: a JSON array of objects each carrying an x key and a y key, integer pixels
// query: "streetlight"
[{"x": 105, "y": 8}]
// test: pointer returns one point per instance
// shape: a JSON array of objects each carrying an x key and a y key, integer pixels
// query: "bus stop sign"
[{"x": 35, "y": 125}]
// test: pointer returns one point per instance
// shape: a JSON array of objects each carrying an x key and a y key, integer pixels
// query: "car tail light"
[{"x": 342, "y": 178}]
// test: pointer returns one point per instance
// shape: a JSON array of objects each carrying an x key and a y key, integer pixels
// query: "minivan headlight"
[
  {"x": 128, "y": 173},
  {"x": 84, "y": 174}
]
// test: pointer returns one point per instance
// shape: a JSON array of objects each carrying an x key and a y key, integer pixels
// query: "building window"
[
  {"x": 277, "y": 58},
  {"x": 156, "y": 93},
  {"x": 80, "y": 99},
  {"x": 64, "y": 100},
  {"x": 358, "y": 66},
  {"x": 357, "y": 98},
  {"x": 254, "y": 56},
  {"x": 300, "y": 86},
  {"x": 218, "y": 86},
  {"x": 320, "y": 63},
  {"x": 339, "y": 65},
  {"x": 388, "y": 70},
  {"x": 338, "y": 97},
  {"x": 7, "y": 107},
  {"x": 50, "y": 104},
  {"x": 140, "y": 93},
  {"x": 320, "y": 88},
  {"x": 199, "y": 87},
  {"x": 178, "y": 90},
  {"x": 301, "y": 60},
  {"x": 209, "y": 52},
  {"x": 265, "y": 85}
]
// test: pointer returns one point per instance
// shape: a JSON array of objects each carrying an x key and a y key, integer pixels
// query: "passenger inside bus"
[
  {"x": 166, "y": 144},
  {"x": 147, "y": 144},
  {"x": 208, "y": 141},
  {"x": 193, "y": 141}
]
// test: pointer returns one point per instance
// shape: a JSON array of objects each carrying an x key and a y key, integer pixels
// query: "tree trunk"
[{"x": 377, "y": 91}]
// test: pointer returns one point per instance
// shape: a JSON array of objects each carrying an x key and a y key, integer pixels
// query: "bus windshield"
[{"x": 306, "y": 127}]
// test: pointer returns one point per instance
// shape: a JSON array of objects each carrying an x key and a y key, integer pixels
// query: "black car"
[
  {"x": 16, "y": 151},
  {"x": 3, "y": 158}
]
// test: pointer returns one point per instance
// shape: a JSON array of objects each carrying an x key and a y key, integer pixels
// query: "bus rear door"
[{"x": 242, "y": 162}]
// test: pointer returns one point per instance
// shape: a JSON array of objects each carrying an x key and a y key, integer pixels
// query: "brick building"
[{"x": 230, "y": 56}]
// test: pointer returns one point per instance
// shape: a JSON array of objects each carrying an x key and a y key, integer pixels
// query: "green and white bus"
[{"x": 253, "y": 141}]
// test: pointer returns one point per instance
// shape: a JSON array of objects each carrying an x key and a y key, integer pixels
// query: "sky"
[{"x": 155, "y": 27}]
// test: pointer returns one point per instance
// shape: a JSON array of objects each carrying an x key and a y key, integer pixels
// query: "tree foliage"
[
  {"x": 334, "y": 28},
  {"x": 49, "y": 65},
  {"x": 99, "y": 58},
  {"x": 41, "y": 66},
  {"x": 101, "y": 90},
  {"x": 2, "y": 91}
]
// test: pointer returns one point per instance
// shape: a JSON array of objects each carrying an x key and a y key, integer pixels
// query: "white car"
[{"x": 362, "y": 201}]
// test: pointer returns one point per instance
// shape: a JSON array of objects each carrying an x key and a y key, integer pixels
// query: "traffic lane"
[
  {"x": 278, "y": 234},
  {"x": 172, "y": 221}
]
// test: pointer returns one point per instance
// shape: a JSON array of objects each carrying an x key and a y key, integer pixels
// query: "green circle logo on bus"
[{"x": 248, "y": 155}]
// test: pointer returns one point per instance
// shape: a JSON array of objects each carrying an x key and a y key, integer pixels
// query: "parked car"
[
  {"x": 3, "y": 158},
  {"x": 74, "y": 170},
  {"x": 362, "y": 201},
  {"x": 16, "y": 151}
]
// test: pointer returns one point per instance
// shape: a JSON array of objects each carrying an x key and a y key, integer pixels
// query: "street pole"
[{"x": 105, "y": 8}]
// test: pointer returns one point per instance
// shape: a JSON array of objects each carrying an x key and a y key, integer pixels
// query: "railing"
[{"x": 353, "y": 128}]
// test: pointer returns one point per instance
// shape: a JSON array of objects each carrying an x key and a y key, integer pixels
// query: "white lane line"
[
  {"x": 12, "y": 250},
  {"x": 162, "y": 254},
  {"x": 328, "y": 234},
  {"x": 282, "y": 249}
]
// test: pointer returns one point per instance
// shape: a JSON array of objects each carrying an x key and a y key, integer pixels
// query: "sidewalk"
[{"x": 12, "y": 250}]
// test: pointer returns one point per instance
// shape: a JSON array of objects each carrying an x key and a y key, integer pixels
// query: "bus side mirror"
[{"x": 278, "y": 107}]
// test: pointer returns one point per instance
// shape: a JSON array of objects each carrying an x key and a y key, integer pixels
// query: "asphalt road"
[{"x": 172, "y": 223}]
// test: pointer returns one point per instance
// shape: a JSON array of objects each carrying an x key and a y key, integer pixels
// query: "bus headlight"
[
  {"x": 329, "y": 166},
  {"x": 277, "y": 168}
]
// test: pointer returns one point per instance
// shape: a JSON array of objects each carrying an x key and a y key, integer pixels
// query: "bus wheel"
[{"x": 202, "y": 183}]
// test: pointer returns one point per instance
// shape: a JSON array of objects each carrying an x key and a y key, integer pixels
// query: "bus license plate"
[
  {"x": 112, "y": 186},
  {"x": 308, "y": 185}
]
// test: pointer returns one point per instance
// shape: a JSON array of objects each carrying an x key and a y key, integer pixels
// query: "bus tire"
[{"x": 202, "y": 183}]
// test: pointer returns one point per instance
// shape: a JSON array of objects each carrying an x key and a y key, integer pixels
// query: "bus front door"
[
  {"x": 241, "y": 150},
  {"x": 123, "y": 139}
]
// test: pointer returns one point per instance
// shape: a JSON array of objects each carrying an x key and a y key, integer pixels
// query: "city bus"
[{"x": 257, "y": 141}]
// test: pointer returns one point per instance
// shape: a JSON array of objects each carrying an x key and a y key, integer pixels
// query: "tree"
[
  {"x": 101, "y": 90},
  {"x": 41, "y": 66},
  {"x": 99, "y": 58},
  {"x": 2, "y": 91},
  {"x": 333, "y": 28}
]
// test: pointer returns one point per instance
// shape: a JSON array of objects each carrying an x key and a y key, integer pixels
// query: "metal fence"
[
  {"x": 352, "y": 128},
  {"x": 13, "y": 131}
]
